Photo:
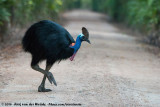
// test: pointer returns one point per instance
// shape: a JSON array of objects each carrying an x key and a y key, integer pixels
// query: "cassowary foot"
[
  {"x": 42, "y": 89},
  {"x": 51, "y": 78}
]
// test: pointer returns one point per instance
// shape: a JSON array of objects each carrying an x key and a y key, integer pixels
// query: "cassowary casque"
[{"x": 47, "y": 40}]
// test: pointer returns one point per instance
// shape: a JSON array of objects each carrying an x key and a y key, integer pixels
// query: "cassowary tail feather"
[{"x": 27, "y": 40}]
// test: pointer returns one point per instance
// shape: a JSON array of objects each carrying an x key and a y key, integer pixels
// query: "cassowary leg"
[
  {"x": 35, "y": 66},
  {"x": 42, "y": 88},
  {"x": 45, "y": 72}
]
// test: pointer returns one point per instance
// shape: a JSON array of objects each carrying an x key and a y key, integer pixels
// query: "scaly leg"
[
  {"x": 47, "y": 73},
  {"x": 35, "y": 66},
  {"x": 41, "y": 88}
]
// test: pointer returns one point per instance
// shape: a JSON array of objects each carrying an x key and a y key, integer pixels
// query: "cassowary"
[{"x": 47, "y": 40}]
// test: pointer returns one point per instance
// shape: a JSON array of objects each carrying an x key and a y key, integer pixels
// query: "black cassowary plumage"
[{"x": 47, "y": 40}]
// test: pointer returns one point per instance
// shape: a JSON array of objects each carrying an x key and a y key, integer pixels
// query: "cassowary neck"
[
  {"x": 77, "y": 44},
  {"x": 76, "y": 47}
]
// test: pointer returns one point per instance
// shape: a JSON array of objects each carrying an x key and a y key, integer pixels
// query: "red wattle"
[{"x": 72, "y": 57}]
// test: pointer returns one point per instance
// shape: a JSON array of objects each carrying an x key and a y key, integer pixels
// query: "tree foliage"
[
  {"x": 20, "y": 12},
  {"x": 71, "y": 4},
  {"x": 141, "y": 14}
]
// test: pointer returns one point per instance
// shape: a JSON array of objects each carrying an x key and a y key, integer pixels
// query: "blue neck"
[{"x": 77, "y": 45}]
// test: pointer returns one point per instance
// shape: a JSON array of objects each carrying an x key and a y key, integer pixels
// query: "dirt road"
[{"x": 114, "y": 71}]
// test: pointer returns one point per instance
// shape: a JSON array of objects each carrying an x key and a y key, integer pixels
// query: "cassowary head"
[{"x": 85, "y": 35}]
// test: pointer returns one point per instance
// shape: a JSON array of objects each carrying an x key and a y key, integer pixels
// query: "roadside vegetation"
[{"x": 141, "y": 15}]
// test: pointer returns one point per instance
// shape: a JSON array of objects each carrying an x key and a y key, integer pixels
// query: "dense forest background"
[{"x": 142, "y": 15}]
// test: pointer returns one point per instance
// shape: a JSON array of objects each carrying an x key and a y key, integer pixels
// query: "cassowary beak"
[{"x": 88, "y": 41}]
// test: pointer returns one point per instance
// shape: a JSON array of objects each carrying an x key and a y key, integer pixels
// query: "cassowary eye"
[{"x": 82, "y": 37}]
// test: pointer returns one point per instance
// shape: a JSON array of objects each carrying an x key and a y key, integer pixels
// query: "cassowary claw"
[
  {"x": 51, "y": 78},
  {"x": 42, "y": 89}
]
